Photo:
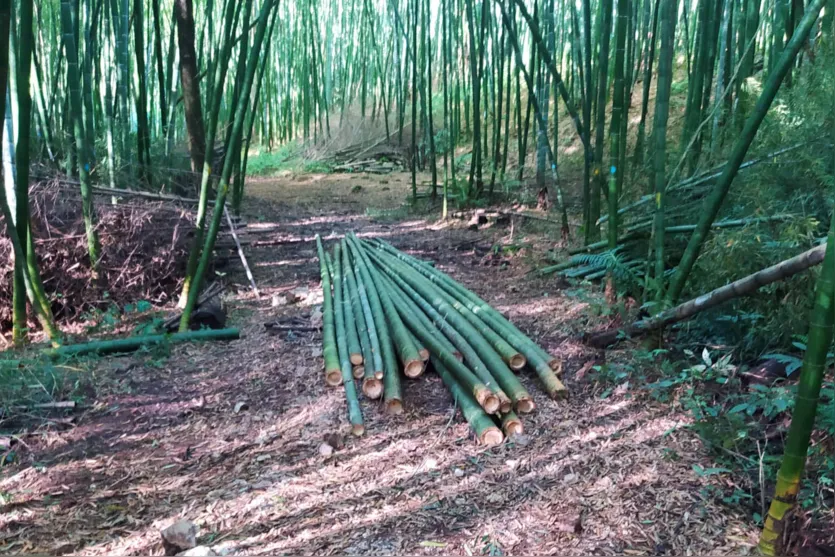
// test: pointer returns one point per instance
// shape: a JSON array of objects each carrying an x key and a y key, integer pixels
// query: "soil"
[{"x": 164, "y": 436}]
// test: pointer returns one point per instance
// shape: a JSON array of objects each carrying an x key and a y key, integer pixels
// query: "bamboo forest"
[{"x": 417, "y": 277}]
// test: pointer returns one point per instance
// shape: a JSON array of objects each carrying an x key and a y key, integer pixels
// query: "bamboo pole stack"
[{"x": 388, "y": 315}]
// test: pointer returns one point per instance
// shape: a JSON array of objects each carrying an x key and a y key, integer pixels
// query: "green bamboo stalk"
[
  {"x": 478, "y": 353},
  {"x": 484, "y": 428},
  {"x": 662, "y": 114},
  {"x": 714, "y": 202},
  {"x": 82, "y": 149},
  {"x": 391, "y": 378},
  {"x": 372, "y": 364},
  {"x": 407, "y": 351},
  {"x": 228, "y": 165},
  {"x": 102, "y": 347},
  {"x": 333, "y": 366},
  {"x": 452, "y": 340},
  {"x": 14, "y": 199},
  {"x": 354, "y": 410},
  {"x": 209, "y": 140},
  {"x": 805, "y": 407},
  {"x": 143, "y": 134}
]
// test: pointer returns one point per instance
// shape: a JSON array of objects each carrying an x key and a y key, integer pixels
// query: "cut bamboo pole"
[
  {"x": 741, "y": 287},
  {"x": 373, "y": 360},
  {"x": 511, "y": 424},
  {"x": 333, "y": 370},
  {"x": 508, "y": 353},
  {"x": 496, "y": 320},
  {"x": 351, "y": 335},
  {"x": 354, "y": 410},
  {"x": 544, "y": 365},
  {"x": 486, "y": 431},
  {"x": 391, "y": 375},
  {"x": 406, "y": 349},
  {"x": 404, "y": 302},
  {"x": 372, "y": 386},
  {"x": 134, "y": 343},
  {"x": 477, "y": 352}
]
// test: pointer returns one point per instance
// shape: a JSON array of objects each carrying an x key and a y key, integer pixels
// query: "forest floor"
[{"x": 161, "y": 439}]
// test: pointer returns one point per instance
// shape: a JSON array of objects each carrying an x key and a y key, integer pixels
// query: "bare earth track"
[{"x": 591, "y": 475}]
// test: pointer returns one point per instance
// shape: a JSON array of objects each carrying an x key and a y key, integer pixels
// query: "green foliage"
[
  {"x": 268, "y": 163},
  {"x": 735, "y": 419}
]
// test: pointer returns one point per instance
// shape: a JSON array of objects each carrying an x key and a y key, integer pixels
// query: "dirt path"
[{"x": 592, "y": 475}]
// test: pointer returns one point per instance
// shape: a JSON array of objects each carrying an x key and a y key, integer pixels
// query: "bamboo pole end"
[
  {"x": 517, "y": 362},
  {"x": 413, "y": 369},
  {"x": 356, "y": 359},
  {"x": 513, "y": 427},
  {"x": 525, "y": 405},
  {"x": 394, "y": 407},
  {"x": 491, "y": 437},
  {"x": 372, "y": 387},
  {"x": 333, "y": 377},
  {"x": 357, "y": 429},
  {"x": 358, "y": 371}
]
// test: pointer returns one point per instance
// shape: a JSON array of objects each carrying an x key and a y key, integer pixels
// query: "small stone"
[
  {"x": 262, "y": 457},
  {"x": 199, "y": 551},
  {"x": 180, "y": 536},
  {"x": 458, "y": 473},
  {"x": 215, "y": 494},
  {"x": 569, "y": 479},
  {"x": 431, "y": 464},
  {"x": 512, "y": 464},
  {"x": 263, "y": 484},
  {"x": 241, "y": 406},
  {"x": 521, "y": 439},
  {"x": 325, "y": 449}
]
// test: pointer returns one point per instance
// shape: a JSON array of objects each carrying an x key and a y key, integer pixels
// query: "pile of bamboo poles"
[{"x": 387, "y": 313}]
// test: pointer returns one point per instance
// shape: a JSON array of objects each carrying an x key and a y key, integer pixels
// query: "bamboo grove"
[{"x": 616, "y": 110}]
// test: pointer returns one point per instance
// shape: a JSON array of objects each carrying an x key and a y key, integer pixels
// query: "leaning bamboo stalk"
[
  {"x": 486, "y": 431},
  {"x": 476, "y": 349},
  {"x": 354, "y": 410},
  {"x": 741, "y": 287},
  {"x": 333, "y": 370},
  {"x": 391, "y": 379},
  {"x": 406, "y": 349}
]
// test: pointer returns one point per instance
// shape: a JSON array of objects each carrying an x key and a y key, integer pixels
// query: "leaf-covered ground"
[{"x": 161, "y": 438}]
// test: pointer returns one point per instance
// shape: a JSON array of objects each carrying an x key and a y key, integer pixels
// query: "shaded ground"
[{"x": 591, "y": 475}]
